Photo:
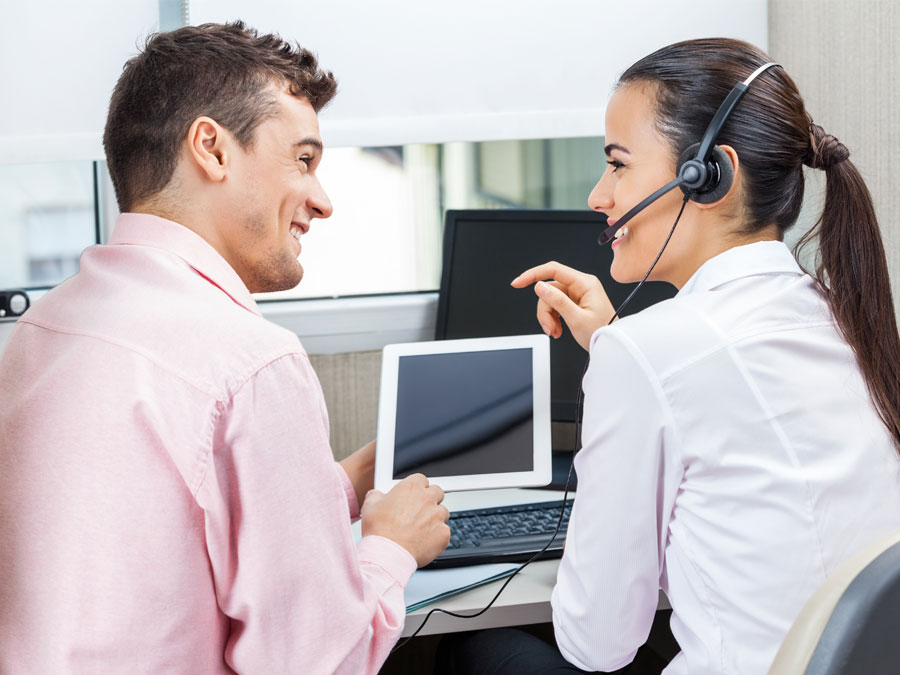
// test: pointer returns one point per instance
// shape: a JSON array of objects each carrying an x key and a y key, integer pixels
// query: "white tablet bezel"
[{"x": 387, "y": 412}]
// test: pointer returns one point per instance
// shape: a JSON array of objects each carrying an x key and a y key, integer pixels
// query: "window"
[
  {"x": 385, "y": 233},
  {"x": 384, "y": 237},
  {"x": 47, "y": 212}
]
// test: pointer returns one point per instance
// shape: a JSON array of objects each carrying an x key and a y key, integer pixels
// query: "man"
[{"x": 168, "y": 497}]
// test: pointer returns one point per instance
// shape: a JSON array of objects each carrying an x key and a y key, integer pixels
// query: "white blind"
[
  {"x": 408, "y": 71},
  {"x": 412, "y": 71},
  {"x": 58, "y": 64}
]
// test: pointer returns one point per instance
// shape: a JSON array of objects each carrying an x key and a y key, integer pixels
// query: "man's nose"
[{"x": 319, "y": 203}]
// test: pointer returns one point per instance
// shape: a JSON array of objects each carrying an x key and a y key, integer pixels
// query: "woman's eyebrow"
[{"x": 615, "y": 146}]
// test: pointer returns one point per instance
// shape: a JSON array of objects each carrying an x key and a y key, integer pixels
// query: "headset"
[{"x": 704, "y": 172}]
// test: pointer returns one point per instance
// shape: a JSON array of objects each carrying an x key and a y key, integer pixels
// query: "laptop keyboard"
[{"x": 504, "y": 534}]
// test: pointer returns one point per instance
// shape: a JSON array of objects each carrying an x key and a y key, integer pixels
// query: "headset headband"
[{"x": 724, "y": 111}]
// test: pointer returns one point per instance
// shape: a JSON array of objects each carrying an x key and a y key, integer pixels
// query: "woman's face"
[{"x": 640, "y": 161}]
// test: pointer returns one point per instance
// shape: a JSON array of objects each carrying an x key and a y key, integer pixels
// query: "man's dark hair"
[{"x": 223, "y": 71}]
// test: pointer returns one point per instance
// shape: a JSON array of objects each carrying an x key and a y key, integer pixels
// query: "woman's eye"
[{"x": 615, "y": 164}]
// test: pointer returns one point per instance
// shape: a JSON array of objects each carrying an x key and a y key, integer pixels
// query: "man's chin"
[
  {"x": 291, "y": 281},
  {"x": 286, "y": 281}
]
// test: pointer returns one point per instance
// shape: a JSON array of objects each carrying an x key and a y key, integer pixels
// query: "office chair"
[{"x": 849, "y": 626}]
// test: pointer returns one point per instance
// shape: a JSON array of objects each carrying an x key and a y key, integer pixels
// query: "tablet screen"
[{"x": 464, "y": 413}]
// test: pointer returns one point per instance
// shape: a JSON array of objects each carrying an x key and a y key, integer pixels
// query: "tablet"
[{"x": 469, "y": 414}]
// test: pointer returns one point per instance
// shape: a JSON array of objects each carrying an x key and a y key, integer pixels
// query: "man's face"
[{"x": 274, "y": 196}]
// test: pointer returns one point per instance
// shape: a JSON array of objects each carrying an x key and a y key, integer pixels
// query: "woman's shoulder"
[
  {"x": 659, "y": 336},
  {"x": 690, "y": 325}
]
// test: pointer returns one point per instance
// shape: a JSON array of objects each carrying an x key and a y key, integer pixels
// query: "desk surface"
[{"x": 526, "y": 600}]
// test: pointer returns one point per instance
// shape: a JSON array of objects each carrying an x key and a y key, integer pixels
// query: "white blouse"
[{"x": 732, "y": 457}]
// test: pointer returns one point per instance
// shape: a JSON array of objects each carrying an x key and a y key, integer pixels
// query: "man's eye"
[{"x": 305, "y": 160}]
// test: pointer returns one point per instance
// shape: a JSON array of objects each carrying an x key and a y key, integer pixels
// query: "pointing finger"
[{"x": 556, "y": 300}]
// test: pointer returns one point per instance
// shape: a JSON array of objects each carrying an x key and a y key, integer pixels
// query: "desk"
[{"x": 527, "y": 598}]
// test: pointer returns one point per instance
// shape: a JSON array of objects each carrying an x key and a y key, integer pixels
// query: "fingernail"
[
  {"x": 546, "y": 330},
  {"x": 540, "y": 287},
  {"x": 511, "y": 283}
]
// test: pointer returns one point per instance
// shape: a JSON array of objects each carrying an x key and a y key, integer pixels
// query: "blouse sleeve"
[{"x": 629, "y": 471}]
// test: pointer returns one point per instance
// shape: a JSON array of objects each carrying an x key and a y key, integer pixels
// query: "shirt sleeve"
[
  {"x": 300, "y": 596},
  {"x": 628, "y": 471},
  {"x": 349, "y": 491}
]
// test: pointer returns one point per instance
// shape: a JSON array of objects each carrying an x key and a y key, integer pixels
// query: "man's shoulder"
[
  {"x": 222, "y": 343},
  {"x": 180, "y": 321}
]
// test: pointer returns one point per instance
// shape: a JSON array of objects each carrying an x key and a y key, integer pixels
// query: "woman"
[{"x": 741, "y": 439}]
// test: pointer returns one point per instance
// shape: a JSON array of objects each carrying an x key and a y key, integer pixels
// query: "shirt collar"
[
  {"x": 142, "y": 229},
  {"x": 761, "y": 257}
]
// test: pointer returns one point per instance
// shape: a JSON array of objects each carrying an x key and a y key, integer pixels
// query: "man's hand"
[
  {"x": 410, "y": 514},
  {"x": 360, "y": 468},
  {"x": 574, "y": 296}
]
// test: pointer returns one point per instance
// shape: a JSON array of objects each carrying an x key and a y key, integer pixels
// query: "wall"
[{"x": 845, "y": 58}]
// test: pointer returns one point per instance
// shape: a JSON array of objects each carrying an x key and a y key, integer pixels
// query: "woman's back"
[{"x": 779, "y": 465}]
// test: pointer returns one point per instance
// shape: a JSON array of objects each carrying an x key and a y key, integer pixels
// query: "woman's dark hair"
[
  {"x": 223, "y": 71},
  {"x": 774, "y": 138}
]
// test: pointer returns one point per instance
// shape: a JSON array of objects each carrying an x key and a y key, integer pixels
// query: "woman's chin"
[{"x": 621, "y": 274}]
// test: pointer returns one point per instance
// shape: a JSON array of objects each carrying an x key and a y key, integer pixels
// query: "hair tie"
[{"x": 825, "y": 150}]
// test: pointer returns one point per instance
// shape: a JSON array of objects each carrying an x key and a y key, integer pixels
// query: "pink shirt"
[{"x": 168, "y": 497}]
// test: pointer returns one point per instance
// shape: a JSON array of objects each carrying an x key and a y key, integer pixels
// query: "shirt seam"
[
  {"x": 254, "y": 369},
  {"x": 731, "y": 342},
  {"x": 393, "y": 577},
  {"x": 656, "y": 384},
  {"x": 125, "y": 346},
  {"x": 204, "y": 460},
  {"x": 222, "y": 402},
  {"x": 786, "y": 445},
  {"x": 669, "y": 420}
]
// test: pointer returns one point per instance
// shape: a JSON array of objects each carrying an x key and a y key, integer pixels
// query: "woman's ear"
[{"x": 207, "y": 148}]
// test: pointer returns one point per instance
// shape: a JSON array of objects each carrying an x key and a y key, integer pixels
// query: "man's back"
[{"x": 136, "y": 451}]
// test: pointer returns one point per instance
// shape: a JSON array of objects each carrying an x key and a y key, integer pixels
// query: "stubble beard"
[{"x": 276, "y": 270}]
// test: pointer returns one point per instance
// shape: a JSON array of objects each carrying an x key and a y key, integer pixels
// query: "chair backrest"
[{"x": 850, "y": 624}]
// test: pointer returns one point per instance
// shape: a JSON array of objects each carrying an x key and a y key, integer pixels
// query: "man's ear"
[
  {"x": 208, "y": 146},
  {"x": 735, "y": 166}
]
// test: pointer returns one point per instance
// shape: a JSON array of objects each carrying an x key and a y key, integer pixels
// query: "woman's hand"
[{"x": 574, "y": 296}]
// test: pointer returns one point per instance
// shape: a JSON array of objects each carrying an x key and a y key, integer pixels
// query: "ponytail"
[{"x": 852, "y": 272}]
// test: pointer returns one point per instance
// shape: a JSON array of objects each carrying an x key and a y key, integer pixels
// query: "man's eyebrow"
[
  {"x": 615, "y": 146},
  {"x": 314, "y": 142}
]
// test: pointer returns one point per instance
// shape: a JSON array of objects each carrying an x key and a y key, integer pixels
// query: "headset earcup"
[{"x": 721, "y": 179}]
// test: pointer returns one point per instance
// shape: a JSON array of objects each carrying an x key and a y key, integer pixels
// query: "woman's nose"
[{"x": 601, "y": 196}]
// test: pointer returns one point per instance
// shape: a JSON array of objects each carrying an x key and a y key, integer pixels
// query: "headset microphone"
[
  {"x": 704, "y": 172},
  {"x": 609, "y": 233}
]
